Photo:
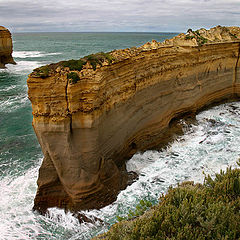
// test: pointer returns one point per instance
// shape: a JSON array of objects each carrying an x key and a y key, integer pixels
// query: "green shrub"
[
  {"x": 189, "y": 211},
  {"x": 42, "y": 72},
  {"x": 74, "y": 64},
  {"x": 140, "y": 209},
  {"x": 98, "y": 58},
  {"x": 93, "y": 59},
  {"x": 233, "y": 35},
  {"x": 201, "y": 40},
  {"x": 73, "y": 77},
  {"x": 187, "y": 37},
  {"x": 196, "y": 34},
  {"x": 109, "y": 57}
]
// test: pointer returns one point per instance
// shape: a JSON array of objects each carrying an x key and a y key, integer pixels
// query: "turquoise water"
[{"x": 211, "y": 143}]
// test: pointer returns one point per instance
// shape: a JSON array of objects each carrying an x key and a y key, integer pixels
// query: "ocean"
[{"x": 208, "y": 144}]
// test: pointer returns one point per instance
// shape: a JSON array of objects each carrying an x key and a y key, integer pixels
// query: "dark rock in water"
[
  {"x": 82, "y": 218},
  {"x": 157, "y": 179},
  {"x": 212, "y": 121},
  {"x": 132, "y": 177},
  {"x": 85, "y": 219},
  {"x": 6, "y": 47}
]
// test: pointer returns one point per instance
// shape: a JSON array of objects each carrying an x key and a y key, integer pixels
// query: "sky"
[{"x": 117, "y": 15}]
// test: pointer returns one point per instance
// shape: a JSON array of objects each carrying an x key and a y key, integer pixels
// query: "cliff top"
[
  {"x": 3, "y": 28},
  {"x": 192, "y": 38}
]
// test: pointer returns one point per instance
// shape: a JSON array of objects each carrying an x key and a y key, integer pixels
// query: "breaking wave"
[
  {"x": 22, "y": 67},
  {"x": 32, "y": 54}
]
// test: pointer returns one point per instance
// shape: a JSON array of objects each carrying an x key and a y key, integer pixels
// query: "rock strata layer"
[
  {"x": 6, "y": 47},
  {"x": 89, "y": 121}
]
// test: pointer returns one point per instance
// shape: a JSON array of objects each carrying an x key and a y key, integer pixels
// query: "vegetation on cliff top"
[
  {"x": 42, "y": 72},
  {"x": 73, "y": 77},
  {"x": 190, "y": 211},
  {"x": 75, "y": 65},
  {"x": 93, "y": 59},
  {"x": 196, "y": 34},
  {"x": 218, "y": 34}
]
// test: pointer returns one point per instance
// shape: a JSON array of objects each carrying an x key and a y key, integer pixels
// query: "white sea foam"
[
  {"x": 22, "y": 67},
  {"x": 6, "y": 89},
  {"x": 15, "y": 206},
  {"x": 32, "y": 54},
  {"x": 209, "y": 145},
  {"x": 19, "y": 222},
  {"x": 14, "y": 102}
]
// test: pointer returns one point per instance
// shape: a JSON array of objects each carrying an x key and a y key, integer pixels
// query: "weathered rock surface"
[
  {"x": 88, "y": 128},
  {"x": 6, "y": 47}
]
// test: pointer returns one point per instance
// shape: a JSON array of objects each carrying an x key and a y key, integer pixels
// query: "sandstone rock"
[
  {"x": 87, "y": 129},
  {"x": 6, "y": 47}
]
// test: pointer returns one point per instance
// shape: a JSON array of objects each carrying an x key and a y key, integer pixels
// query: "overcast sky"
[{"x": 117, "y": 15}]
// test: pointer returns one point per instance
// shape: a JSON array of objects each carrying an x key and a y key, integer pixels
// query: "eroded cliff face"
[
  {"x": 6, "y": 47},
  {"x": 89, "y": 122}
]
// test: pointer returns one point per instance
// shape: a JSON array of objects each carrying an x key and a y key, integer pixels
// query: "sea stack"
[
  {"x": 92, "y": 114},
  {"x": 6, "y": 47}
]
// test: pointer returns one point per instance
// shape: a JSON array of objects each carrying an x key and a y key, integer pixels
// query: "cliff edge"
[
  {"x": 6, "y": 47},
  {"x": 92, "y": 114}
]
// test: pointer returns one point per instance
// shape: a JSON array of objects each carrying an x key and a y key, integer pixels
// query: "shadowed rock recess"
[
  {"x": 6, "y": 47},
  {"x": 92, "y": 114}
]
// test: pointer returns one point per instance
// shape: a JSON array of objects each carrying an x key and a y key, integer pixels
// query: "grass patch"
[{"x": 190, "y": 211}]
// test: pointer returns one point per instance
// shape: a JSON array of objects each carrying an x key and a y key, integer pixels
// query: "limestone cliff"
[
  {"x": 92, "y": 114},
  {"x": 6, "y": 47}
]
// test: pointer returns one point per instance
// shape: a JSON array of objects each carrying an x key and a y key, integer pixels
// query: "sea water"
[{"x": 209, "y": 144}]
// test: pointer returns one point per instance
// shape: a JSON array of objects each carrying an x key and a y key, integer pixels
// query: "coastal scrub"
[
  {"x": 42, "y": 72},
  {"x": 196, "y": 34},
  {"x": 189, "y": 211},
  {"x": 74, "y": 65}
]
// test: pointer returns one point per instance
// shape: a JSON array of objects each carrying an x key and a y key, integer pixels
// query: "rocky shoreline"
[{"x": 92, "y": 114}]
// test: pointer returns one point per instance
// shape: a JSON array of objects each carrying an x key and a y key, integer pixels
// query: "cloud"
[{"x": 117, "y": 15}]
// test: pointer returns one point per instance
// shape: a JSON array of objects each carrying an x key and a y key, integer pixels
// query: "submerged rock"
[
  {"x": 6, "y": 47},
  {"x": 92, "y": 114}
]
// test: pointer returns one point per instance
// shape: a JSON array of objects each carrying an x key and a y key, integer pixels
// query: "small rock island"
[
  {"x": 6, "y": 47},
  {"x": 92, "y": 114}
]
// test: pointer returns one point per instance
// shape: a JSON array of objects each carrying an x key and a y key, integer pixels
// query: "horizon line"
[{"x": 91, "y": 32}]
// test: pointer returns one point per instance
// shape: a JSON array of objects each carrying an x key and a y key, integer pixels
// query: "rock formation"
[
  {"x": 6, "y": 47},
  {"x": 92, "y": 114}
]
